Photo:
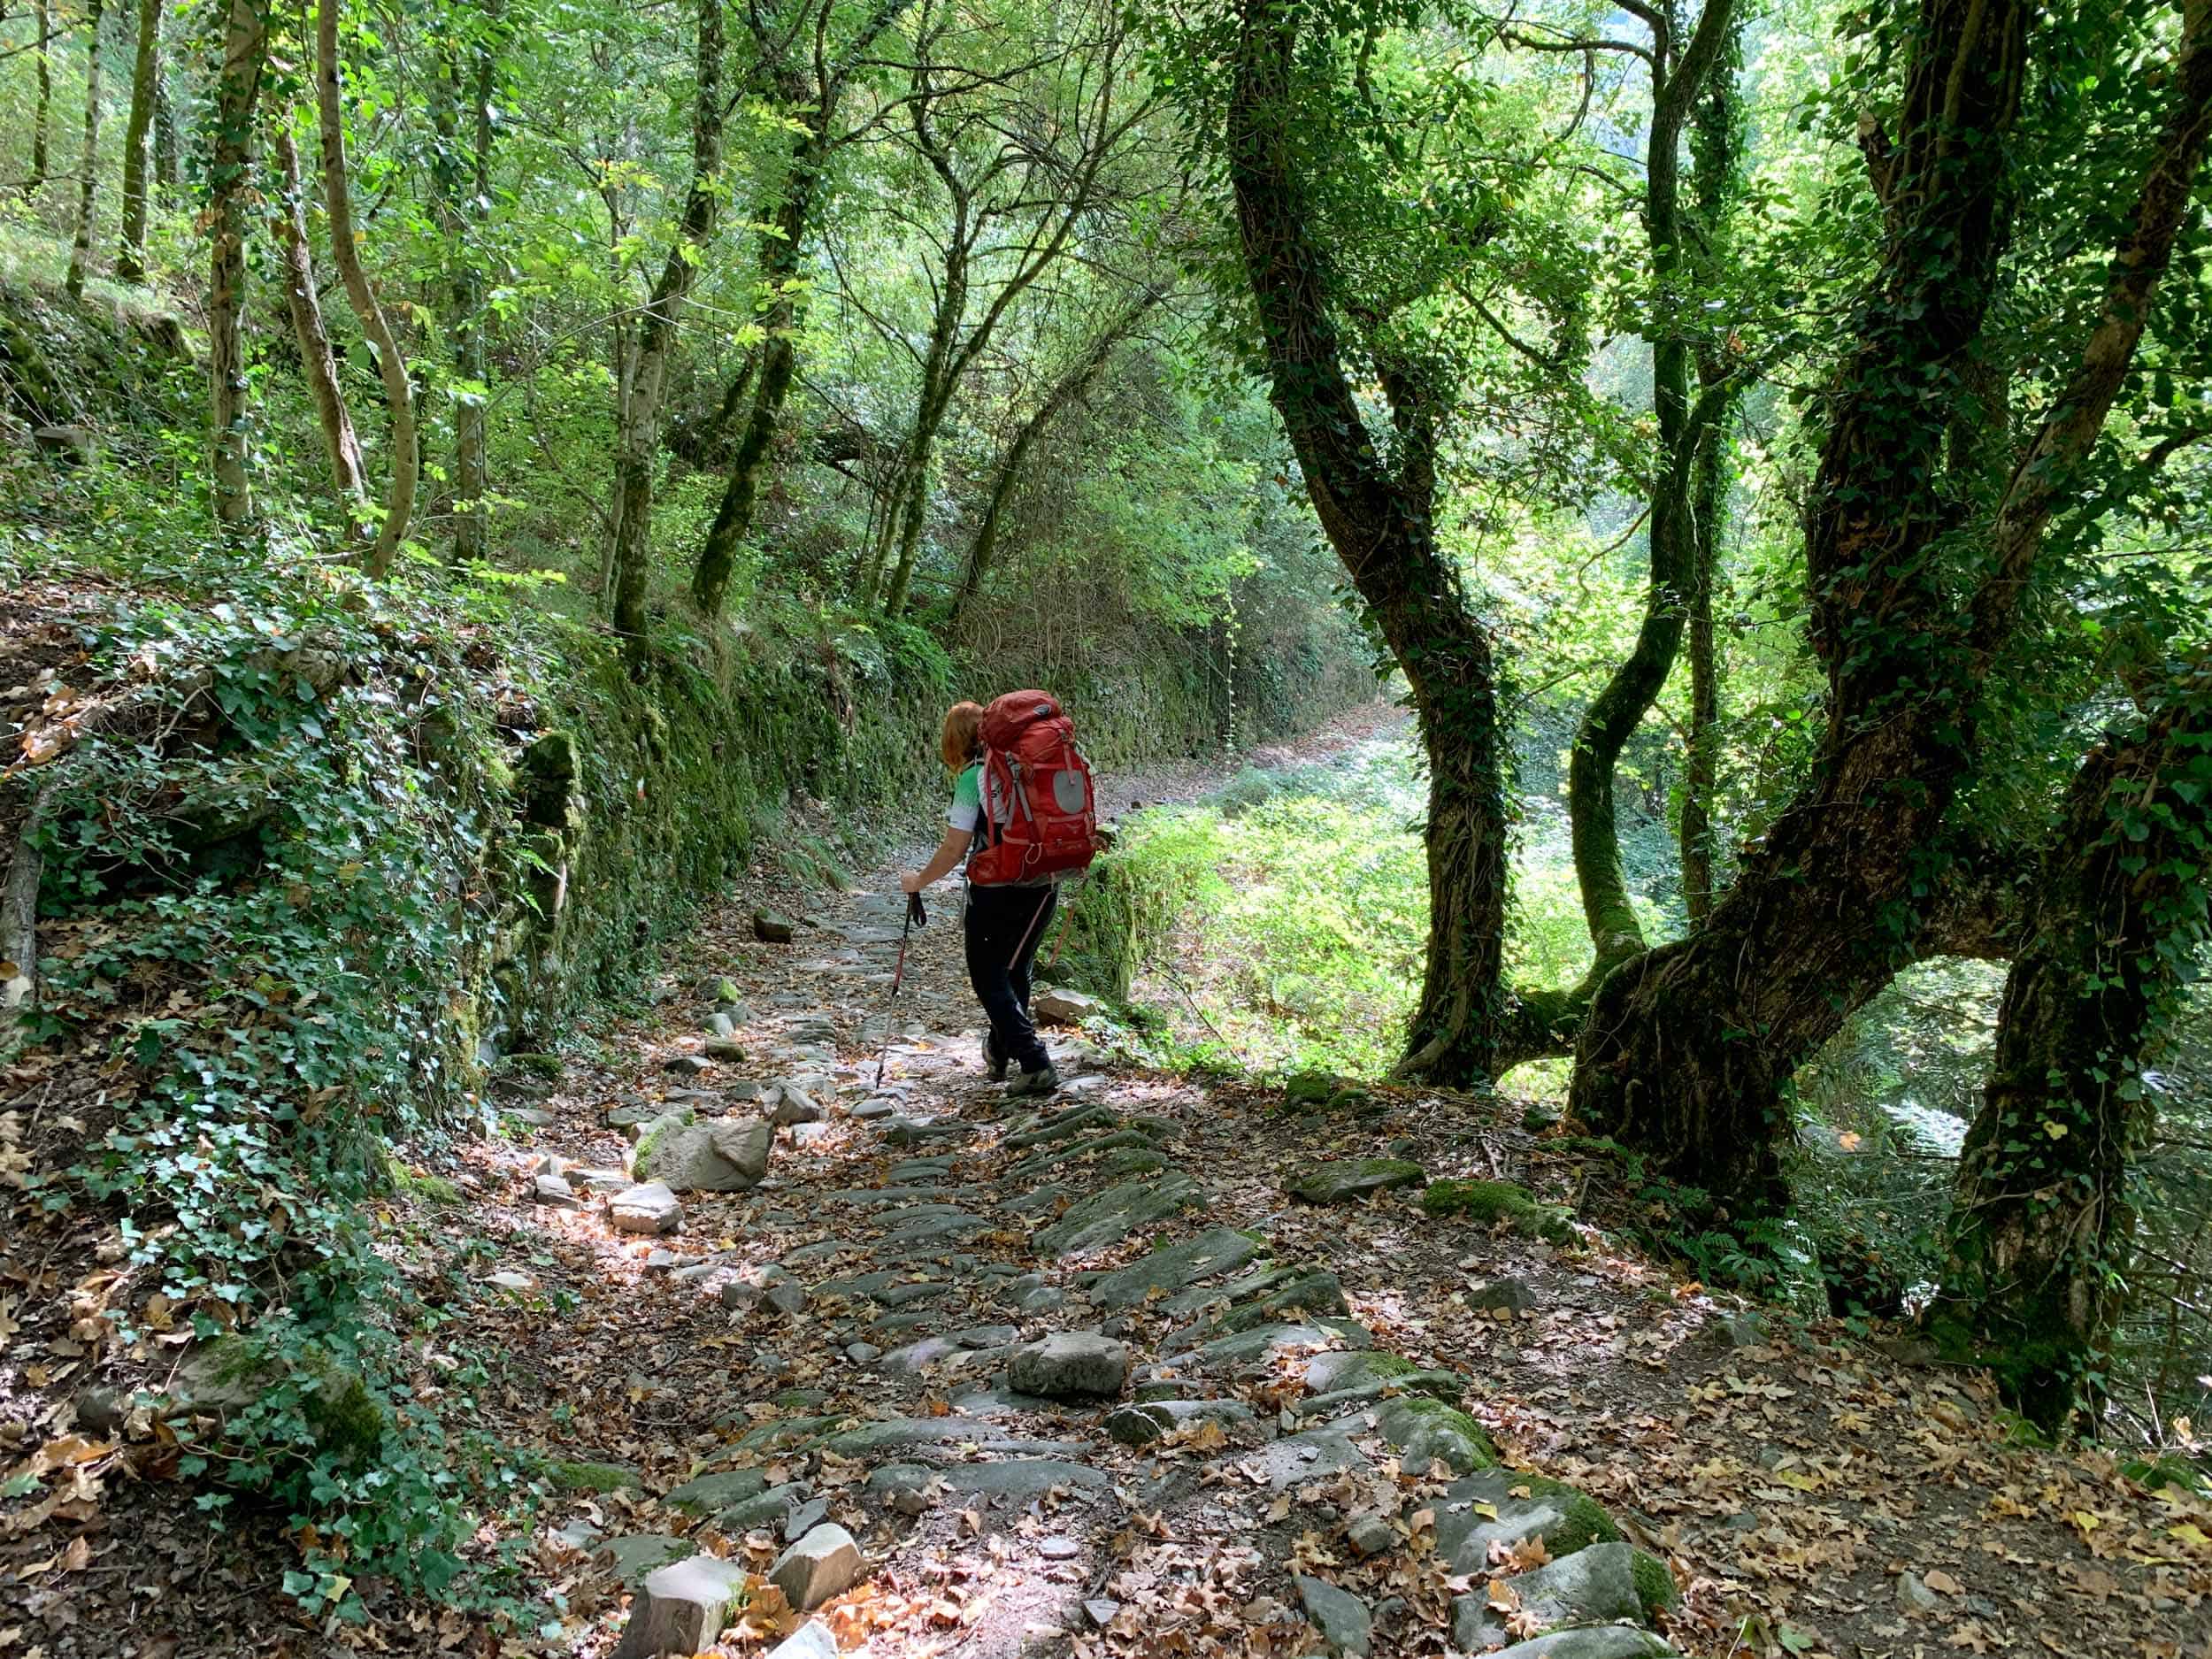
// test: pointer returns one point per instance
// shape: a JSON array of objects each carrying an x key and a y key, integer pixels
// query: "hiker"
[{"x": 1020, "y": 754}]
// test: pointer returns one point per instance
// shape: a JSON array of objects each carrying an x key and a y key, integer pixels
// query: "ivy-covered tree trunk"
[
  {"x": 637, "y": 448},
  {"x": 1687, "y": 1048},
  {"x": 230, "y": 178},
  {"x": 165, "y": 131},
  {"x": 778, "y": 361},
  {"x": 815, "y": 98},
  {"x": 318, "y": 365},
  {"x": 1620, "y": 703},
  {"x": 42, "y": 108},
  {"x": 2040, "y": 1227},
  {"x": 464, "y": 178},
  {"x": 1717, "y": 135},
  {"x": 130, "y": 258},
  {"x": 88, "y": 162},
  {"x": 345, "y": 253},
  {"x": 1379, "y": 516}
]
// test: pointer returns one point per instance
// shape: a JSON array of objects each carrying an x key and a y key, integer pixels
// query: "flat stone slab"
[
  {"x": 1314, "y": 1454},
  {"x": 1597, "y": 1641},
  {"x": 1108, "y": 1217},
  {"x": 1596, "y": 1585},
  {"x": 637, "y": 1555},
  {"x": 650, "y": 1209},
  {"x": 1023, "y": 1478},
  {"x": 863, "y": 1197},
  {"x": 1268, "y": 1341},
  {"x": 1341, "y": 1617},
  {"x": 1347, "y": 1178},
  {"x": 1060, "y": 1126},
  {"x": 1156, "y": 1419},
  {"x": 1174, "y": 1268},
  {"x": 710, "y": 1492},
  {"x": 1481, "y": 1509},
  {"x": 919, "y": 1435}
]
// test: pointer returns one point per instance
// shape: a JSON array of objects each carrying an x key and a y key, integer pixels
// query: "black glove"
[{"x": 916, "y": 915}]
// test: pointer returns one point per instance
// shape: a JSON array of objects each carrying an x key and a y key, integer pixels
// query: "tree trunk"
[
  {"x": 1066, "y": 393},
  {"x": 2041, "y": 1230},
  {"x": 130, "y": 258},
  {"x": 230, "y": 167},
  {"x": 1380, "y": 522},
  {"x": 399, "y": 394},
  {"x": 165, "y": 175},
  {"x": 319, "y": 363},
  {"x": 459, "y": 206},
  {"x": 89, "y": 168},
  {"x": 638, "y": 443},
  {"x": 1686, "y": 1049},
  {"x": 779, "y": 262},
  {"x": 1716, "y": 165},
  {"x": 1700, "y": 770},
  {"x": 1614, "y": 714},
  {"x": 42, "y": 111}
]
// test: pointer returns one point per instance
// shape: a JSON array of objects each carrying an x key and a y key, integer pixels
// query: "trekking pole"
[{"x": 916, "y": 917}]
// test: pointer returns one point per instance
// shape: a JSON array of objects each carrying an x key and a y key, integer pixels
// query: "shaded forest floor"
[{"x": 757, "y": 1371}]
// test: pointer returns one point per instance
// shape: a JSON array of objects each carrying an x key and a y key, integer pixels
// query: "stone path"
[{"x": 1016, "y": 1379}]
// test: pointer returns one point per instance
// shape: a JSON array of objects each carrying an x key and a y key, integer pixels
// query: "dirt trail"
[
  {"x": 1282, "y": 1425},
  {"x": 1088, "y": 1378}
]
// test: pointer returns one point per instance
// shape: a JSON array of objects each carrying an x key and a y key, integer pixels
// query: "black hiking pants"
[{"x": 1004, "y": 926}]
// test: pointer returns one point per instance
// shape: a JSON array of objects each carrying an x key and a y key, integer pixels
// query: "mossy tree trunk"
[
  {"x": 637, "y": 446},
  {"x": 1678, "y": 72},
  {"x": 130, "y": 258},
  {"x": 2040, "y": 1232},
  {"x": 230, "y": 167},
  {"x": 88, "y": 161},
  {"x": 463, "y": 175},
  {"x": 1717, "y": 135},
  {"x": 345, "y": 252},
  {"x": 1687, "y": 1048},
  {"x": 1379, "y": 517},
  {"x": 810, "y": 87},
  {"x": 42, "y": 106},
  {"x": 318, "y": 365}
]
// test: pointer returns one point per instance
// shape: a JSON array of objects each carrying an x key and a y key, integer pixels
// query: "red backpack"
[{"x": 1038, "y": 782}]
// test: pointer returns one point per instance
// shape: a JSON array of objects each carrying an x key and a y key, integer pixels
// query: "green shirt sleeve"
[{"x": 967, "y": 800}]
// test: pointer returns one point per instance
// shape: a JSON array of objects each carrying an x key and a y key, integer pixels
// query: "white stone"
[
  {"x": 648, "y": 1209},
  {"x": 681, "y": 1608},
  {"x": 811, "y": 1640}
]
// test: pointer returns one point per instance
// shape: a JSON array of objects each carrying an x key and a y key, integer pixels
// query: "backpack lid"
[{"x": 1015, "y": 712}]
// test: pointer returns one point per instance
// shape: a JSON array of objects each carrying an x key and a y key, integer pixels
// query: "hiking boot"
[
  {"x": 1043, "y": 1082},
  {"x": 994, "y": 1062}
]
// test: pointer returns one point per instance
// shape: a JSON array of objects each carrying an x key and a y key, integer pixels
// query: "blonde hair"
[{"x": 962, "y": 740}]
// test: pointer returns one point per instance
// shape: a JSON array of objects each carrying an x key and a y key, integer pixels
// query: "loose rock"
[
  {"x": 1340, "y": 1617},
  {"x": 1071, "y": 1365},
  {"x": 824, "y": 1563},
  {"x": 650, "y": 1209},
  {"x": 682, "y": 1607}
]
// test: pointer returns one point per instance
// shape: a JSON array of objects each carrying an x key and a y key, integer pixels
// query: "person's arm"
[{"x": 941, "y": 863}]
